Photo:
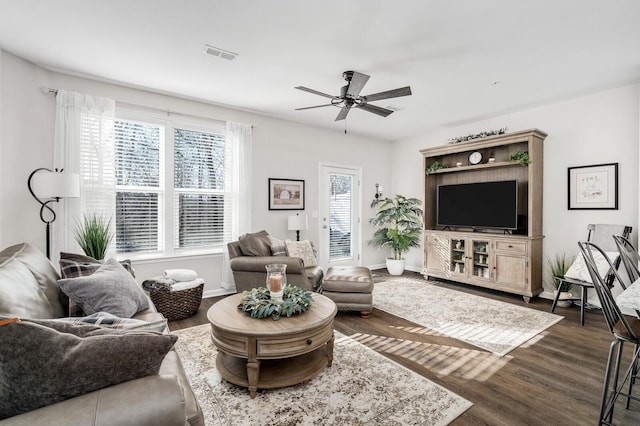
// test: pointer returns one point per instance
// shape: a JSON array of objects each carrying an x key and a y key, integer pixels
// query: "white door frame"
[{"x": 356, "y": 223}]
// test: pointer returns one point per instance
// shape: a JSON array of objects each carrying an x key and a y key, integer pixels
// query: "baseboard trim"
[{"x": 217, "y": 292}]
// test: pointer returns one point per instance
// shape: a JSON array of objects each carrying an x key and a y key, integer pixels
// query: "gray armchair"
[{"x": 250, "y": 272}]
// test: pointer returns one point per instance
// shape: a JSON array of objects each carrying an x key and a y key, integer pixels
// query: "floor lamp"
[
  {"x": 52, "y": 185},
  {"x": 298, "y": 223}
]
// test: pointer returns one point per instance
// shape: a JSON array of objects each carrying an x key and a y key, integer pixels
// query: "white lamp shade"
[
  {"x": 298, "y": 223},
  {"x": 47, "y": 184}
]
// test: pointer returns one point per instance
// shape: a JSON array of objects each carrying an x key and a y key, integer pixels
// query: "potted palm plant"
[
  {"x": 94, "y": 235},
  {"x": 399, "y": 223}
]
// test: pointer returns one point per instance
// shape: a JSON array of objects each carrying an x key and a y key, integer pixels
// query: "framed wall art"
[
  {"x": 286, "y": 194},
  {"x": 593, "y": 187}
]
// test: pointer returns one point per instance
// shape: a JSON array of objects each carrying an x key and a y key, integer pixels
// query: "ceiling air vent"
[{"x": 221, "y": 53}]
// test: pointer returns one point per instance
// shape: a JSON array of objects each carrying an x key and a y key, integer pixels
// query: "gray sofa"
[{"x": 29, "y": 289}]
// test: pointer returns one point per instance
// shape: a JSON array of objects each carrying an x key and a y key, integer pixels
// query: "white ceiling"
[{"x": 463, "y": 59}]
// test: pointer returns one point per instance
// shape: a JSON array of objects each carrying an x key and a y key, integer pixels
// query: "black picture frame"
[
  {"x": 593, "y": 187},
  {"x": 286, "y": 194}
]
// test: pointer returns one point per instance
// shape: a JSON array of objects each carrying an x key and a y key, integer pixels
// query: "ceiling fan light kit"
[{"x": 350, "y": 96}]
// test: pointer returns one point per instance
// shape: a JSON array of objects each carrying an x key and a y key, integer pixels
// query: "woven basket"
[{"x": 179, "y": 304}]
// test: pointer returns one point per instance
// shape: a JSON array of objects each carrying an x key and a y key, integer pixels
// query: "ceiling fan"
[{"x": 350, "y": 96}]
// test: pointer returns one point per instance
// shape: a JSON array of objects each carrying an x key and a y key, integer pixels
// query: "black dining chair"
[
  {"x": 599, "y": 234},
  {"x": 630, "y": 257},
  {"x": 624, "y": 330}
]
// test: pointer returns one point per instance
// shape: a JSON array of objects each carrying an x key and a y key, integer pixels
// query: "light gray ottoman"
[{"x": 350, "y": 288}]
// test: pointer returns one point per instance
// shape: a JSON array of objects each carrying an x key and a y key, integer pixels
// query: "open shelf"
[{"x": 455, "y": 169}]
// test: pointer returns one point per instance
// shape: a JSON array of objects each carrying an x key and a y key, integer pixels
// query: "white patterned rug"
[
  {"x": 362, "y": 387},
  {"x": 489, "y": 324}
]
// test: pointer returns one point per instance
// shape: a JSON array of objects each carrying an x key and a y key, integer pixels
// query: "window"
[
  {"x": 340, "y": 208},
  {"x": 172, "y": 182}
]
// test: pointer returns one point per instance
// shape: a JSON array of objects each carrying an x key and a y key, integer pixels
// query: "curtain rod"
[{"x": 51, "y": 91}]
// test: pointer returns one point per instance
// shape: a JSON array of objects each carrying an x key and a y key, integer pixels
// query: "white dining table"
[{"x": 630, "y": 298}]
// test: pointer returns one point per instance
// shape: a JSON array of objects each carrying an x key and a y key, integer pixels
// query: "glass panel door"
[
  {"x": 481, "y": 259},
  {"x": 458, "y": 256},
  {"x": 340, "y": 241},
  {"x": 340, "y": 216}
]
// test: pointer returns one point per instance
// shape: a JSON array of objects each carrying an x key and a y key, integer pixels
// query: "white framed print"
[
  {"x": 286, "y": 194},
  {"x": 593, "y": 187}
]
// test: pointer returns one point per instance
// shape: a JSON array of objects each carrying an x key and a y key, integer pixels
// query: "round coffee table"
[{"x": 265, "y": 354}]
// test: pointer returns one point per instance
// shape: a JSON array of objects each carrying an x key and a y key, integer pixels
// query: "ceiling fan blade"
[
  {"x": 357, "y": 83},
  {"x": 342, "y": 114},
  {"x": 315, "y": 92},
  {"x": 376, "y": 110},
  {"x": 395, "y": 93},
  {"x": 311, "y": 107}
]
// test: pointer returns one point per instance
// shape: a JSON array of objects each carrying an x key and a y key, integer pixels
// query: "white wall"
[
  {"x": 594, "y": 129},
  {"x": 280, "y": 149},
  {"x": 2, "y": 175}
]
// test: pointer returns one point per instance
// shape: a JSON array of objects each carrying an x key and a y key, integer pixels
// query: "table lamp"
[{"x": 298, "y": 223}]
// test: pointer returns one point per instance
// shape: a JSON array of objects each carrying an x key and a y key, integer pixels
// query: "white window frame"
[{"x": 167, "y": 232}]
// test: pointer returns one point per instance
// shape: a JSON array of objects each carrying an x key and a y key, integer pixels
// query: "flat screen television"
[{"x": 488, "y": 205}]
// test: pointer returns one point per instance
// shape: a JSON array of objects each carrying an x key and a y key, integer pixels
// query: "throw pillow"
[
  {"x": 45, "y": 364},
  {"x": 256, "y": 244},
  {"x": 303, "y": 250},
  {"x": 110, "y": 289},
  {"x": 578, "y": 269},
  {"x": 73, "y": 265},
  {"x": 107, "y": 320},
  {"x": 278, "y": 248}
]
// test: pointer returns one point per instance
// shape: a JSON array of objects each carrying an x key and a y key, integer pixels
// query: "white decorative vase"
[
  {"x": 395, "y": 267},
  {"x": 564, "y": 301}
]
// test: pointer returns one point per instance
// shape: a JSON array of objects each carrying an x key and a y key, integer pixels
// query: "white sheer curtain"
[
  {"x": 83, "y": 144},
  {"x": 241, "y": 192}
]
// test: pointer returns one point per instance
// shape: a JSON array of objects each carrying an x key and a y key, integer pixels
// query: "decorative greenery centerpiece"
[
  {"x": 478, "y": 135},
  {"x": 94, "y": 235},
  {"x": 259, "y": 304}
]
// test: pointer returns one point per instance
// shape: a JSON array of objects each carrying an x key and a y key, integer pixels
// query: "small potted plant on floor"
[
  {"x": 94, "y": 235},
  {"x": 399, "y": 223},
  {"x": 558, "y": 266}
]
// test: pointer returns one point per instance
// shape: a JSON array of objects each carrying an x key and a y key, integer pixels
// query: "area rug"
[
  {"x": 495, "y": 326},
  {"x": 362, "y": 387}
]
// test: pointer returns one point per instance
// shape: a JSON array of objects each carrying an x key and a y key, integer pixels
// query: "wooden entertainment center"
[{"x": 510, "y": 262}]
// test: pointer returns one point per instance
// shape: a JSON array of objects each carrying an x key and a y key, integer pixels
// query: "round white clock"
[{"x": 475, "y": 157}]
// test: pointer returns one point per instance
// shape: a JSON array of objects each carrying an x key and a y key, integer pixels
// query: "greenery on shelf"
[
  {"x": 558, "y": 266},
  {"x": 399, "y": 222},
  {"x": 434, "y": 167},
  {"x": 521, "y": 157},
  {"x": 258, "y": 303},
  {"x": 472, "y": 136},
  {"x": 94, "y": 235}
]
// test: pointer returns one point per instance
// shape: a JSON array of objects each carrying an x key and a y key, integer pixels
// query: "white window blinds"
[
  {"x": 340, "y": 208},
  {"x": 200, "y": 162},
  {"x": 139, "y": 186}
]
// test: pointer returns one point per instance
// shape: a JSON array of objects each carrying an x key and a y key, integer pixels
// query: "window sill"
[{"x": 156, "y": 257}]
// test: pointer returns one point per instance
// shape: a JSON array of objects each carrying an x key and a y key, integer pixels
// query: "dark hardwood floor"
[{"x": 554, "y": 379}]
